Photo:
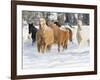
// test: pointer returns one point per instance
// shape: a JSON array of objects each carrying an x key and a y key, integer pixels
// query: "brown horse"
[
  {"x": 44, "y": 36},
  {"x": 61, "y": 37}
]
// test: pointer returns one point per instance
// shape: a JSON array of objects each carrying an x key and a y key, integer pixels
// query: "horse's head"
[
  {"x": 42, "y": 23},
  {"x": 79, "y": 22}
]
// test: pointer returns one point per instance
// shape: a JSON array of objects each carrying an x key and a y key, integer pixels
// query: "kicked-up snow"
[{"x": 71, "y": 57}]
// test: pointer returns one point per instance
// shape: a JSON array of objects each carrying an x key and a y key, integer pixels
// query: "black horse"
[{"x": 32, "y": 30}]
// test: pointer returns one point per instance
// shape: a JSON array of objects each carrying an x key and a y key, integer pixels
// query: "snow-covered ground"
[{"x": 73, "y": 56}]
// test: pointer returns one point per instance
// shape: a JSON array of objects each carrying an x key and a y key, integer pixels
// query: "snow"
[{"x": 71, "y": 57}]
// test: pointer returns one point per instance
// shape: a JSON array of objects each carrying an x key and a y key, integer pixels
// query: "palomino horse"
[
  {"x": 44, "y": 36},
  {"x": 61, "y": 37}
]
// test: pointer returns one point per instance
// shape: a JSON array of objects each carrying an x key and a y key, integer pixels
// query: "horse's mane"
[{"x": 57, "y": 24}]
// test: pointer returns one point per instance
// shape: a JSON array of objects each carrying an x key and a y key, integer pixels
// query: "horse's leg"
[
  {"x": 63, "y": 45},
  {"x": 66, "y": 45},
  {"x": 78, "y": 36},
  {"x": 42, "y": 48},
  {"x": 45, "y": 47},
  {"x": 38, "y": 47},
  {"x": 49, "y": 47},
  {"x": 58, "y": 47},
  {"x": 32, "y": 42}
]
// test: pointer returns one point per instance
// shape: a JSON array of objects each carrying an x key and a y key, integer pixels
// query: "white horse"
[{"x": 82, "y": 34}]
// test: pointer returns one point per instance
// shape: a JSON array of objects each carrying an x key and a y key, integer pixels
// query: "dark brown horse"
[{"x": 61, "y": 37}]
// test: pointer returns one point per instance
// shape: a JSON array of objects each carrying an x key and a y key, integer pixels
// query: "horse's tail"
[{"x": 70, "y": 34}]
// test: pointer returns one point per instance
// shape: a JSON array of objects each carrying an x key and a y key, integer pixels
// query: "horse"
[
  {"x": 61, "y": 37},
  {"x": 69, "y": 27},
  {"x": 32, "y": 32},
  {"x": 44, "y": 36},
  {"x": 82, "y": 34}
]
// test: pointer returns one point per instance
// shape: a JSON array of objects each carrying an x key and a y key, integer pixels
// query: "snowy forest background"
[
  {"x": 71, "y": 57},
  {"x": 62, "y": 18}
]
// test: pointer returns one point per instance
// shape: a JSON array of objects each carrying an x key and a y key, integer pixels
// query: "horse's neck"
[
  {"x": 44, "y": 27},
  {"x": 79, "y": 27}
]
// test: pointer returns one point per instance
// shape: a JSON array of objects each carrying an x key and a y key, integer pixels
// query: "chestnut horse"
[
  {"x": 61, "y": 37},
  {"x": 44, "y": 36}
]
